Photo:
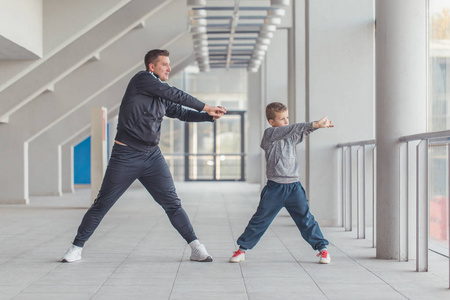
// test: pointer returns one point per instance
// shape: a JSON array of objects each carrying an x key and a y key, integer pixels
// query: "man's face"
[
  {"x": 161, "y": 68},
  {"x": 281, "y": 119}
]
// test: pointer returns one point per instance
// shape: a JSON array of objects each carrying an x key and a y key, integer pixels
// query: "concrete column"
[
  {"x": 99, "y": 153},
  {"x": 254, "y": 116},
  {"x": 263, "y": 122},
  {"x": 401, "y": 79},
  {"x": 112, "y": 132},
  {"x": 298, "y": 68},
  {"x": 67, "y": 175}
]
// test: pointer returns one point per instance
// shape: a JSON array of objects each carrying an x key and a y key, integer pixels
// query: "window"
[
  {"x": 439, "y": 66},
  {"x": 212, "y": 158},
  {"x": 439, "y": 119}
]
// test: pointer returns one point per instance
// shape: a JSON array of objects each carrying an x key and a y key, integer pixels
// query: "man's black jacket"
[{"x": 146, "y": 101}]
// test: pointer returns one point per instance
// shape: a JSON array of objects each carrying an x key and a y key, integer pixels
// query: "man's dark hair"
[
  {"x": 273, "y": 108},
  {"x": 152, "y": 56}
]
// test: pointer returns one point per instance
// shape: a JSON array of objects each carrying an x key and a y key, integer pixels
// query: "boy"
[{"x": 283, "y": 188}]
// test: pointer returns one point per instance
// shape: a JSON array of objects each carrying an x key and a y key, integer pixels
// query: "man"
[{"x": 136, "y": 154}]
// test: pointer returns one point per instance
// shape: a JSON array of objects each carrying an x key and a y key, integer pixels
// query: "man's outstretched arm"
[
  {"x": 177, "y": 111},
  {"x": 215, "y": 111}
]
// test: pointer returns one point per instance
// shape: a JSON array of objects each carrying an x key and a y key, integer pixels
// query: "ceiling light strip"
[{"x": 234, "y": 21}]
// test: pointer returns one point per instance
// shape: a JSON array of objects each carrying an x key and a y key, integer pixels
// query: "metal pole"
[
  {"x": 403, "y": 203},
  {"x": 422, "y": 207},
  {"x": 363, "y": 225},
  {"x": 358, "y": 198},
  {"x": 343, "y": 186},
  {"x": 350, "y": 210},
  {"x": 360, "y": 180},
  {"x": 374, "y": 176},
  {"x": 348, "y": 175}
]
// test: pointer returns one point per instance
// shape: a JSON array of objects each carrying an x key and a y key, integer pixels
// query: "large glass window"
[
  {"x": 439, "y": 66},
  {"x": 216, "y": 149},
  {"x": 439, "y": 119},
  {"x": 172, "y": 146}
]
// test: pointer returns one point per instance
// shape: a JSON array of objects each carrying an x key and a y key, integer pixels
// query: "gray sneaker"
[
  {"x": 73, "y": 254},
  {"x": 199, "y": 253}
]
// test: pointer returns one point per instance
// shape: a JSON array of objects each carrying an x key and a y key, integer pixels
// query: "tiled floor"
[{"x": 136, "y": 254}]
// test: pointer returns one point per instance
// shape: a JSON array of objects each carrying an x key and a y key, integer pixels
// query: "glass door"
[{"x": 215, "y": 151}]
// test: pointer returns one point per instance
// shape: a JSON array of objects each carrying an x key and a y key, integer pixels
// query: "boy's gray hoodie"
[{"x": 279, "y": 145}]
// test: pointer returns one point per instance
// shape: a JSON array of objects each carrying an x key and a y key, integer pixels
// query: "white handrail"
[
  {"x": 422, "y": 182},
  {"x": 359, "y": 143},
  {"x": 422, "y": 219},
  {"x": 347, "y": 185},
  {"x": 426, "y": 136}
]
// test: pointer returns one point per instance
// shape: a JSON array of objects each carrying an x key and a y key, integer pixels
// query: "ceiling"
[{"x": 233, "y": 33}]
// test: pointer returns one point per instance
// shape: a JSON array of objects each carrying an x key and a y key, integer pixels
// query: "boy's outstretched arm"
[{"x": 323, "y": 123}]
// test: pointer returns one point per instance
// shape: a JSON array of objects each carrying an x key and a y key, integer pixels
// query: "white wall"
[
  {"x": 276, "y": 69},
  {"x": 65, "y": 20},
  {"x": 341, "y": 85},
  {"x": 21, "y": 29},
  {"x": 327, "y": 70}
]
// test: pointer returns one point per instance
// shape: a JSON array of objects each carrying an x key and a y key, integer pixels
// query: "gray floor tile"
[
  {"x": 9, "y": 291},
  {"x": 283, "y": 295},
  {"x": 275, "y": 284},
  {"x": 136, "y": 254},
  {"x": 202, "y": 295},
  {"x": 128, "y": 292}
]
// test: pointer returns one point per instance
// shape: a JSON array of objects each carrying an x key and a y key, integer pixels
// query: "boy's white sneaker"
[
  {"x": 73, "y": 254},
  {"x": 199, "y": 253},
  {"x": 324, "y": 257},
  {"x": 238, "y": 256}
]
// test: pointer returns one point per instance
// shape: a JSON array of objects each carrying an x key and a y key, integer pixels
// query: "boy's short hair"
[
  {"x": 152, "y": 56},
  {"x": 273, "y": 108}
]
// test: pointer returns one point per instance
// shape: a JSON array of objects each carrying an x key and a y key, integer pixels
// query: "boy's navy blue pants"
[
  {"x": 125, "y": 166},
  {"x": 274, "y": 197}
]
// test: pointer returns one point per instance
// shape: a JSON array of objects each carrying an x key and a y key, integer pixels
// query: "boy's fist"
[{"x": 323, "y": 123}]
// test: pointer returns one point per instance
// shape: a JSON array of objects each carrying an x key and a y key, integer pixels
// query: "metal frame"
[
  {"x": 404, "y": 203},
  {"x": 448, "y": 196},
  {"x": 347, "y": 187},
  {"x": 422, "y": 199},
  {"x": 422, "y": 207},
  {"x": 374, "y": 193},
  {"x": 361, "y": 197},
  {"x": 187, "y": 154}
]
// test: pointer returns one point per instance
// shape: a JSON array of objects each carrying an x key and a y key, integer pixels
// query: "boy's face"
[{"x": 281, "y": 119}]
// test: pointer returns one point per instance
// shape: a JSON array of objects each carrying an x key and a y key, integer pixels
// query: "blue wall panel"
[{"x": 82, "y": 160}]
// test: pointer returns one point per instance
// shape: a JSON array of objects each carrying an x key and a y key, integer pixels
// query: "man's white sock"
[{"x": 194, "y": 244}]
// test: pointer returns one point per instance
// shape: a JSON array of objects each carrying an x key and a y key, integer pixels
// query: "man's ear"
[{"x": 151, "y": 67}]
